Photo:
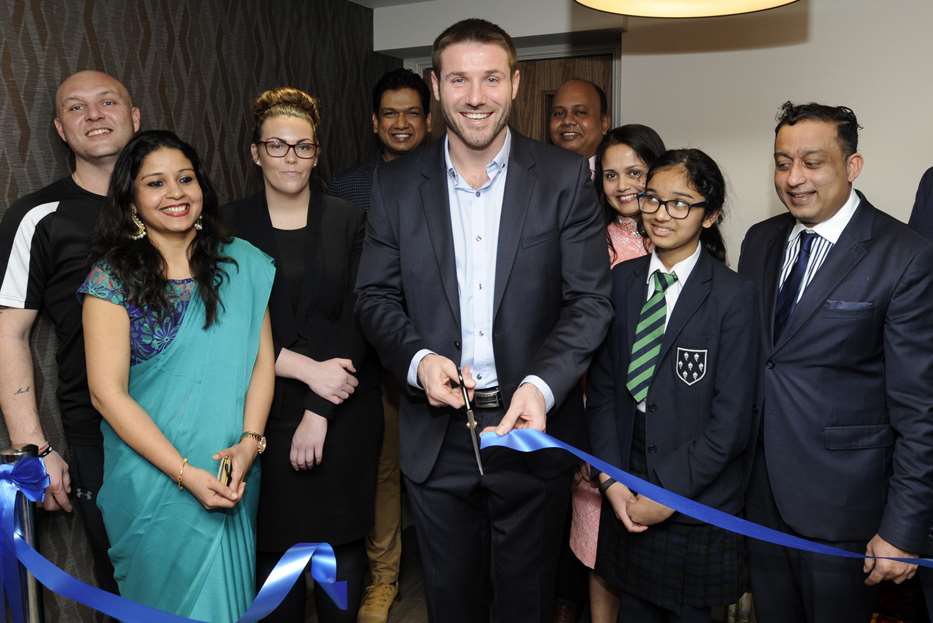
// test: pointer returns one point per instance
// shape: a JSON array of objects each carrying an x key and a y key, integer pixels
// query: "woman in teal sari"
[{"x": 180, "y": 365}]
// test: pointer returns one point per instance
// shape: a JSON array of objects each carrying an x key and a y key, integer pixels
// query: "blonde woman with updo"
[{"x": 325, "y": 427}]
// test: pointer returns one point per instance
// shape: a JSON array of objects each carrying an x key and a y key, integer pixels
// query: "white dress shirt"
[{"x": 474, "y": 219}]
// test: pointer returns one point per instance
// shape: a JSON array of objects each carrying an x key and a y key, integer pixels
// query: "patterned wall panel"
[{"x": 193, "y": 66}]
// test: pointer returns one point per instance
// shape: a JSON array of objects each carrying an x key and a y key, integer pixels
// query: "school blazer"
[{"x": 700, "y": 409}]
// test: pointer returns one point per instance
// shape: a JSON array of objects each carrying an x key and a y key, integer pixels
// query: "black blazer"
[
  {"x": 334, "y": 501},
  {"x": 921, "y": 217},
  {"x": 700, "y": 422},
  {"x": 847, "y": 390},
  {"x": 551, "y": 297},
  {"x": 334, "y": 239}
]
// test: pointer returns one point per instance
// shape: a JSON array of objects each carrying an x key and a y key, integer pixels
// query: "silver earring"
[
  {"x": 140, "y": 232},
  {"x": 199, "y": 224}
]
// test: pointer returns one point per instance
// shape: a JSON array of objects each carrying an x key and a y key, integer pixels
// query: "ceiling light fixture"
[{"x": 682, "y": 8}]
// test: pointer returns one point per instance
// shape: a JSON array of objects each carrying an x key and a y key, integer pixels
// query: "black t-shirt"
[{"x": 45, "y": 242}]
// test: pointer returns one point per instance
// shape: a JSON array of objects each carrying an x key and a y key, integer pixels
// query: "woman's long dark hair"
[
  {"x": 137, "y": 263},
  {"x": 644, "y": 141},
  {"x": 704, "y": 177}
]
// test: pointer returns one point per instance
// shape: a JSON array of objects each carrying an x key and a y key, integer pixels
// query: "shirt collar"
[
  {"x": 682, "y": 269},
  {"x": 495, "y": 166},
  {"x": 831, "y": 228}
]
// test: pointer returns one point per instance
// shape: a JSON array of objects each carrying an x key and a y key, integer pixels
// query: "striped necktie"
[{"x": 648, "y": 337}]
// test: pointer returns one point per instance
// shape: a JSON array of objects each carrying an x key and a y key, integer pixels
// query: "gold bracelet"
[{"x": 181, "y": 474}]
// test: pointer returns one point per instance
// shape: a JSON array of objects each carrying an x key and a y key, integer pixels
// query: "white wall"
[
  {"x": 416, "y": 25},
  {"x": 732, "y": 74}
]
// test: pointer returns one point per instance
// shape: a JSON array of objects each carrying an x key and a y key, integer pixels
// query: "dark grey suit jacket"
[
  {"x": 921, "y": 217},
  {"x": 847, "y": 390},
  {"x": 551, "y": 297}
]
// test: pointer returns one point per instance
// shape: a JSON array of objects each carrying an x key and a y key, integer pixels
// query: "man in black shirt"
[
  {"x": 401, "y": 122},
  {"x": 44, "y": 245}
]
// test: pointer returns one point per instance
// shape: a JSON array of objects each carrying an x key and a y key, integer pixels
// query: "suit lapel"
[
  {"x": 843, "y": 257},
  {"x": 773, "y": 260},
  {"x": 691, "y": 297},
  {"x": 519, "y": 189},
  {"x": 636, "y": 293},
  {"x": 435, "y": 203}
]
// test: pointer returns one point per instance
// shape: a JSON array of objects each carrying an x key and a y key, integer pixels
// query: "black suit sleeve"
[
  {"x": 356, "y": 345},
  {"x": 587, "y": 310},
  {"x": 691, "y": 468},
  {"x": 908, "y": 370},
  {"x": 380, "y": 301},
  {"x": 601, "y": 401},
  {"x": 921, "y": 217}
]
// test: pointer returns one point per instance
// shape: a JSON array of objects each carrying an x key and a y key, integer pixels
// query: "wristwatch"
[{"x": 260, "y": 440}]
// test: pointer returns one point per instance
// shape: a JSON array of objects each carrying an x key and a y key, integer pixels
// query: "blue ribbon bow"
[
  {"x": 25, "y": 477},
  {"x": 28, "y": 477},
  {"x": 527, "y": 440}
]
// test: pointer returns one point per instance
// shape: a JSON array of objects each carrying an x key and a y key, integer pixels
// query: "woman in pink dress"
[{"x": 622, "y": 160}]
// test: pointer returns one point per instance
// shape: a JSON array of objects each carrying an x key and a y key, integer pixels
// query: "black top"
[
  {"x": 291, "y": 264},
  {"x": 45, "y": 242},
  {"x": 333, "y": 501}
]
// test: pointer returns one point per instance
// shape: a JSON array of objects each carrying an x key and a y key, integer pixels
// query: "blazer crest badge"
[{"x": 690, "y": 365}]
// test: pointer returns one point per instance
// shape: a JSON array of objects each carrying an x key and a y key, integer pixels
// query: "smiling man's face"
[{"x": 95, "y": 115}]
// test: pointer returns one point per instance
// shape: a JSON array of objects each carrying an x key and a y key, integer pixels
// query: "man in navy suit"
[
  {"x": 485, "y": 251},
  {"x": 845, "y": 451},
  {"x": 921, "y": 217}
]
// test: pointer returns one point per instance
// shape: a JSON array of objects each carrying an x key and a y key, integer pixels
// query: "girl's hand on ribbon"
[
  {"x": 209, "y": 491},
  {"x": 619, "y": 497},
  {"x": 647, "y": 512},
  {"x": 308, "y": 442}
]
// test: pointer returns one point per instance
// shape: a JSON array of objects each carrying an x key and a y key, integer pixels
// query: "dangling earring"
[
  {"x": 199, "y": 224},
  {"x": 140, "y": 232}
]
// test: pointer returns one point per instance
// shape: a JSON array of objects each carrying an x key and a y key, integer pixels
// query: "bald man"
[
  {"x": 579, "y": 118},
  {"x": 44, "y": 244}
]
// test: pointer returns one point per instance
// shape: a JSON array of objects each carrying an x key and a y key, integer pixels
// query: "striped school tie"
[{"x": 648, "y": 337}]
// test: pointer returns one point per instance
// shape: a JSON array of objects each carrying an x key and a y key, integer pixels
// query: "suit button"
[
  {"x": 652, "y": 449},
  {"x": 652, "y": 408},
  {"x": 457, "y": 344},
  {"x": 770, "y": 364}
]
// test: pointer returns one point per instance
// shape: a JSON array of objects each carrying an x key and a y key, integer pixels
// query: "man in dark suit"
[
  {"x": 921, "y": 217},
  {"x": 485, "y": 251},
  {"x": 845, "y": 452}
]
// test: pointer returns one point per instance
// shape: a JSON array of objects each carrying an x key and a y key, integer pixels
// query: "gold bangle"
[{"x": 181, "y": 474}]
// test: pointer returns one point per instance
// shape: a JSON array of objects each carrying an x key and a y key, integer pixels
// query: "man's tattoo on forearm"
[{"x": 22, "y": 390}]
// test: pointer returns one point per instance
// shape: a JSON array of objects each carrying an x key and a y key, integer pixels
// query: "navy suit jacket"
[
  {"x": 551, "y": 300},
  {"x": 847, "y": 390},
  {"x": 921, "y": 217},
  {"x": 700, "y": 408}
]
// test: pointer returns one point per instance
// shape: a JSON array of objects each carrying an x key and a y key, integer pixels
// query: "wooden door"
[{"x": 539, "y": 81}]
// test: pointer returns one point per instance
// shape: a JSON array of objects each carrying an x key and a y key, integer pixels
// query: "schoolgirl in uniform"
[{"x": 671, "y": 399}]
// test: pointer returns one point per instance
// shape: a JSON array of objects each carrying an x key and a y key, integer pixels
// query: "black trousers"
[
  {"x": 492, "y": 540},
  {"x": 791, "y": 585},
  {"x": 86, "y": 467},
  {"x": 633, "y": 609},
  {"x": 351, "y": 566}
]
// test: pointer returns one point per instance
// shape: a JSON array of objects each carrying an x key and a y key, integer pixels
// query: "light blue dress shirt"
[{"x": 474, "y": 219}]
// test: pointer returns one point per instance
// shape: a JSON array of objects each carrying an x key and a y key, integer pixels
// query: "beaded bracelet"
[{"x": 181, "y": 473}]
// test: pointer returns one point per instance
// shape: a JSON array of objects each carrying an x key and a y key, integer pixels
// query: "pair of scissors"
[{"x": 471, "y": 422}]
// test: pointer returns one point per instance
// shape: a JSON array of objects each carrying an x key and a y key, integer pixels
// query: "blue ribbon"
[
  {"x": 25, "y": 477},
  {"x": 527, "y": 440},
  {"x": 28, "y": 477}
]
